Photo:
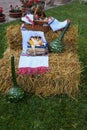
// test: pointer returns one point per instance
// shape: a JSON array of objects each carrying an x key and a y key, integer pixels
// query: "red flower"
[
  {"x": 14, "y": 8},
  {"x": 1, "y": 9},
  {"x": 29, "y": 3},
  {"x": 36, "y": 1}
]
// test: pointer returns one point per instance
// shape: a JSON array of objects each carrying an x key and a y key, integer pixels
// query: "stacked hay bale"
[
  {"x": 14, "y": 37},
  {"x": 5, "y": 73},
  {"x": 70, "y": 38},
  {"x": 63, "y": 76}
]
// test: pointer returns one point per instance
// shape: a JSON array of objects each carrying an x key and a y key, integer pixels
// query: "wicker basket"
[
  {"x": 40, "y": 22},
  {"x": 38, "y": 26}
]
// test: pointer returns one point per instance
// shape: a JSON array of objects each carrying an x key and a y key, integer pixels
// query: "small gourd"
[
  {"x": 15, "y": 93},
  {"x": 56, "y": 45}
]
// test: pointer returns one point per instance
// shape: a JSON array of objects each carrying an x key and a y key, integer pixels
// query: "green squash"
[
  {"x": 15, "y": 93},
  {"x": 56, "y": 45}
]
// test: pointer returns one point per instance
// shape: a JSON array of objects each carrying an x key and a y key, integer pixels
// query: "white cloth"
[
  {"x": 26, "y": 34},
  {"x": 33, "y": 61},
  {"x": 28, "y": 18},
  {"x": 56, "y": 24},
  {"x": 32, "y": 64}
]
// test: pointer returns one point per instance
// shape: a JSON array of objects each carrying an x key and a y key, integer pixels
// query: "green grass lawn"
[{"x": 50, "y": 113}]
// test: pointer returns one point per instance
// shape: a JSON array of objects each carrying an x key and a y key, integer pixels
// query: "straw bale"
[
  {"x": 62, "y": 78},
  {"x": 65, "y": 69},
  {"x": 69, "y": 40},
  {"x": 5, "y": 73},
  {"x": 14, "y": 37}
]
